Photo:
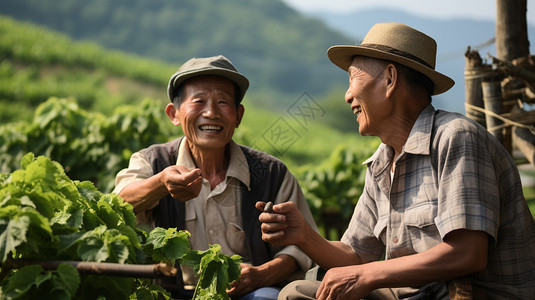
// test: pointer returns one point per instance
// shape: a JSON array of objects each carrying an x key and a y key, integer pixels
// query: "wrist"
[
  {"x": 308, "y": 238},
  {"x": 162, "y": 188}
]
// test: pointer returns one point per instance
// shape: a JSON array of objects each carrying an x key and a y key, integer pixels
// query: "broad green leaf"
[
  {"x": 214, "y": 273},
  {"x": 92, "y": 246},
  {"x": 234, "y": 269},
  {"x": 69, "y": 277},
  {"x": 122, "y": 208},
  {"x": 37, "y": 220},
  {"x": 66, "y": 241},
  {"x": 26, "y": 160},
  {"x": 158, "y": 237},
  {"x": 117, "y": 248},
  {"x": 106, "y": 213},
  {"x": 22, "y": 281},
  {"x": 13, "y": 234},
  {"x": 88, "y": 191},
  {"x": 193, "y": 260},
  {"x": 168, "y": 244},
  {"x": 177, "y": 246}
]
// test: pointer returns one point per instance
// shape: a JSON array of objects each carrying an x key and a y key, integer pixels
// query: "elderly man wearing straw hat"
[
  {"x": 442, "y": 199},
  {"x": 209, "y": 185}
]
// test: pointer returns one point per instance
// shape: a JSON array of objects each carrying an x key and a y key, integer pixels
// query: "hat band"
[{"x": 397, "y": 52}]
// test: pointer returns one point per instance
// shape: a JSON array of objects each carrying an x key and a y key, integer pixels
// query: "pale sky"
[{"x": 473, "y": 9}]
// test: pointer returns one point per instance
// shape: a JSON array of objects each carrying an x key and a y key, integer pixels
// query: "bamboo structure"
[{"x": 499, "y": 93}]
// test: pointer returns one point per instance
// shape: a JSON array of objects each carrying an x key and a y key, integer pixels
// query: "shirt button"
[
  {"x": 395, "y": 240},
  {"x": 211, "y": 232}
]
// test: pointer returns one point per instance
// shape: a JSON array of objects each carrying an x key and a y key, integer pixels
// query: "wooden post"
[
  {"x": 492, "y": 98},
  {"x": 511, "y": 41},
  {"x": 524, "y": 139},
  {"x": 511, "y": 29},
  {"x": 474, "y": 71}
]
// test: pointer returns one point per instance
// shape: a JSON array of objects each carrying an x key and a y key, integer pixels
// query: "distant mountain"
[
  {"x": 453, "y": 37},
  {"x": 280, "y": 50}
]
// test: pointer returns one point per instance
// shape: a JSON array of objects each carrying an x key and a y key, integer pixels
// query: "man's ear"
[
  {"x": 391, "y": 78},
  {"x": 241, "y": 111},
  {"x": 171, "y": 112}
]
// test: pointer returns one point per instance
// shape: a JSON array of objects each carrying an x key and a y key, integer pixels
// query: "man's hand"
[
  {"x": 344, "y": 283},
  {"x": 182, "y": 183},
  {"x": 250, "y": 279},
  {"x": 284, "y": 226},
  {"x": 267, "y": 274}
]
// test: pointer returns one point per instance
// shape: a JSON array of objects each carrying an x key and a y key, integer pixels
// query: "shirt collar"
[
  {"x": 419, "y": 140},
  {"x": 238, "y": 166}
]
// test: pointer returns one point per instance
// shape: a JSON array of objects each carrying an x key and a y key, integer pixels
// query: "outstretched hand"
[
  {"x": 182, "y": 184},
  {"x": 284, "y": 226}
]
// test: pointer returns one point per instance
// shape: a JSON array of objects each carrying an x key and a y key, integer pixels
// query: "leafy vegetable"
[
  {"x": 215, "y": 270},
  {"x": 46, "y": 216}
]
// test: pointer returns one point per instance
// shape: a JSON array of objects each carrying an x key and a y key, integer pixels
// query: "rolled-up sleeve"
[{"x": 138, "y": 169}]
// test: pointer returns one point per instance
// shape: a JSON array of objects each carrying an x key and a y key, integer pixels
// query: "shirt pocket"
[
  {"x": 191, "y": 219},
  {"x": 421, "y": 227},
  {"x": 236, "y": 241}
]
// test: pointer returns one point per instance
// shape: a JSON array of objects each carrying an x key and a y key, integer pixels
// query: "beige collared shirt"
[{"x": 215, "y": 215}]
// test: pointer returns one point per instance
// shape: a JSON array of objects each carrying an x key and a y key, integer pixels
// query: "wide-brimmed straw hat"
[
  {"x": 398, "y": 43},
  {"x": 215, "y": 65}
]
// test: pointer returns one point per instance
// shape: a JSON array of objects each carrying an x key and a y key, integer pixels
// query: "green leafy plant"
[
  {"x": 46, "y": 216},
  {"x": 336, "y": 185},
  {"x": 89, "y": 145}
]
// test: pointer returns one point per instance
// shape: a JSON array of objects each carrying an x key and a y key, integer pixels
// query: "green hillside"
[
  {"x": 109, "y": 87},
  {"x": 281, "y": 51},
  {"x": 38, "y": 64}
]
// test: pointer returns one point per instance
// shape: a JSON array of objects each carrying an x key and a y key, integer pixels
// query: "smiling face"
[
  {"x": 208, "y": 114},
  {"x": 366, "y": 94}
]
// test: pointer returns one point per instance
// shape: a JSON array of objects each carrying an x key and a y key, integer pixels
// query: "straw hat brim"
[{"x": 342, "y": 56}]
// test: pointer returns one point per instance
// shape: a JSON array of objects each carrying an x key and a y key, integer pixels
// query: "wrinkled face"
[
  {"x": 366, "y": 93},
  {"x": 208, "y": 114}
]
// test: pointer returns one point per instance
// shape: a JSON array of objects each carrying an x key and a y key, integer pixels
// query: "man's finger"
[
  {"x": 260, "y": 205},
  {"x": 191, "y": 176},
  {"x": 283, "y": 208}
]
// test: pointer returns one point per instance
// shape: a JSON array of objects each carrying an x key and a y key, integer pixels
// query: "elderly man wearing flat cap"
[
  {"x": 207, "y": 184},
  {"x": 442, "y": 199}
]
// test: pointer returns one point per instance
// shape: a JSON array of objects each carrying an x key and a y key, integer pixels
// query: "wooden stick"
[{"x": 115, "y": 269}]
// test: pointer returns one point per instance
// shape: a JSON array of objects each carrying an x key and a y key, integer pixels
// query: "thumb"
[
  {"x": 191, "y": 176},
  {"x": 285, "y": 207}
]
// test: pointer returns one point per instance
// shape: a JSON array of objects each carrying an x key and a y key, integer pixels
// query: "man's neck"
[
  {"x": 401, "y": 124},
  {"x": 212, "y": 162}
]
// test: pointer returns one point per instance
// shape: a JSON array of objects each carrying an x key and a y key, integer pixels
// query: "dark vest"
[{"x": 266, "y": 172}]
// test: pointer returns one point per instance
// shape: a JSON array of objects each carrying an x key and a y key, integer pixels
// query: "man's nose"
[
  {"x": 348, "y": 96},
  {"x": 211, "y": 110}
]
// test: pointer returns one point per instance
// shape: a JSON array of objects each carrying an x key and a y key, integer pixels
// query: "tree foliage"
[
  {"x": 89, "y": 145},
  {"x": 45, "y": 216}
]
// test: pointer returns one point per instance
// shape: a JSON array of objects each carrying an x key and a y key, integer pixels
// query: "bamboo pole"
[{"x": 112, "y": 269}]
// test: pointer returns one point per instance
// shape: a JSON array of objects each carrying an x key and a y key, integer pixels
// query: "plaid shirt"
[{"x": 452, "y": 174}]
